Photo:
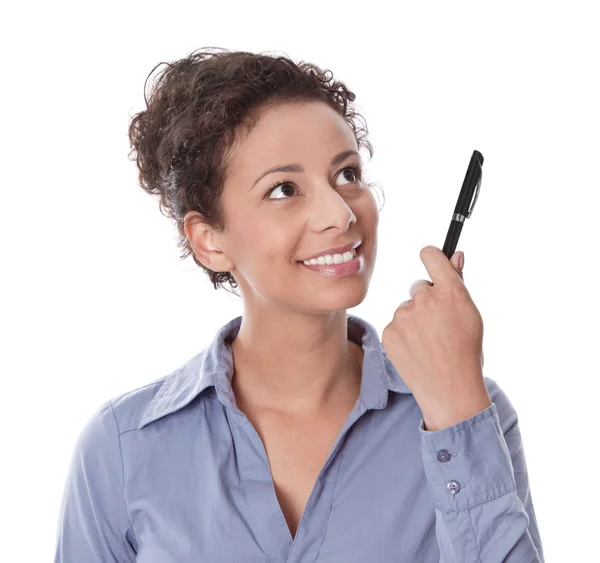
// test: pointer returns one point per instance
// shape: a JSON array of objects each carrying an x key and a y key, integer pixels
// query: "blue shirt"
[{"x": 174, "y": 472}]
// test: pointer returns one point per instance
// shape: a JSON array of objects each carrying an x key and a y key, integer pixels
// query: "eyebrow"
[{"x": 298, "y": 168}]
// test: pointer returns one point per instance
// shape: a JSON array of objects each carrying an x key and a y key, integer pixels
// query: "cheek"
[
  {"x": 371, "y": 207},
  {"x": 244, "y": 232},
  {"x": 367, "y": 213},
  {"x": 259, "y": 247}
]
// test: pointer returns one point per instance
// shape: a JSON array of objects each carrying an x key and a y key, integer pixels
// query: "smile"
[{"x": 345, "y": 264}]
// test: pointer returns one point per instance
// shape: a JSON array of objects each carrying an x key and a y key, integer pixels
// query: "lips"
[
  {"x": 336, "y": 250},
  {"x": 341, "y": 269}
]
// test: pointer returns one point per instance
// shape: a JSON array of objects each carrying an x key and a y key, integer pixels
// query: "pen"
[{"x": 465, "y": 204}]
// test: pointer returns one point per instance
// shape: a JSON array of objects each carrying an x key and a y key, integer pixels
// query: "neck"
[{"x": 295, "y": 363}]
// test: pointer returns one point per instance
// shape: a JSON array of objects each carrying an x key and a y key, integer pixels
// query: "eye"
[{"x": 356, "y": 170}]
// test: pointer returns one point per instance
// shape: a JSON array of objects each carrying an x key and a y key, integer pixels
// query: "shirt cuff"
[{"x": 468, "y": 463}]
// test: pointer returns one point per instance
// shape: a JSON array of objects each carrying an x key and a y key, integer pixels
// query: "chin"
[{"x": 337, "y": 299}]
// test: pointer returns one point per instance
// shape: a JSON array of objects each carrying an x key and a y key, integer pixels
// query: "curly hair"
[{"x": 197, "y": 107}]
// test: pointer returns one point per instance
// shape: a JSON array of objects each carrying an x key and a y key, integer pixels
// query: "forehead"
[{"x": 292, "y": 132}]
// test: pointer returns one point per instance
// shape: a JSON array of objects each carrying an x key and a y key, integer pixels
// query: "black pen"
[{"x": 465, "y": 204}]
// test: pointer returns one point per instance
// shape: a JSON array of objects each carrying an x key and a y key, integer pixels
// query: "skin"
[
  {"x": 435, "y": 341},
  {"x": 292, "y": 354},
  {"x": 296, "y": 375}
]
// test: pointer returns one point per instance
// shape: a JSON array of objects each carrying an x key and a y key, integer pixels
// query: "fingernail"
[{"x": 461, "y": 260}]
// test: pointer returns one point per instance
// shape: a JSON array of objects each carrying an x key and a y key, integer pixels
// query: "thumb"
[{"x": 456, "y": 259}]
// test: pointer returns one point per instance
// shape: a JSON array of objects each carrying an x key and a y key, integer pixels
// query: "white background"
[{"x": 95, "y": 301}]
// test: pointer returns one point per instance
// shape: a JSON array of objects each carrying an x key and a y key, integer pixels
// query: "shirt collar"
[{"x": 213, "y": 367}]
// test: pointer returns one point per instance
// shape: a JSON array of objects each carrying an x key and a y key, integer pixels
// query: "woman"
[{"x": 292, "y": 436}]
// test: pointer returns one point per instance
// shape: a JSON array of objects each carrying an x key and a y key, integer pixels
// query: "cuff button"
[{"x": 453, "y": 487}]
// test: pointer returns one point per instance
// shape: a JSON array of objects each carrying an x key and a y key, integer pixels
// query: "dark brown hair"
[{"x": 197, "y": 107}]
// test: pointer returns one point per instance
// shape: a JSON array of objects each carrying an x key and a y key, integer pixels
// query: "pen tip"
[{"x": 478, "y": 156}]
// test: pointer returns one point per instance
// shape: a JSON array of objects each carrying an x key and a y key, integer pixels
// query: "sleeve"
[
  {"x": 94, "y": 524},
  {"x": 478, "y": 481}
]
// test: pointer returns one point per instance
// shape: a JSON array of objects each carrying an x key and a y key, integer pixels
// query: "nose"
[{"x": 330, "y": 209}]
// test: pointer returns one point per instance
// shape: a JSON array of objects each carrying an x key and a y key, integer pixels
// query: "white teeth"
[{"x": 332, "y": 258}]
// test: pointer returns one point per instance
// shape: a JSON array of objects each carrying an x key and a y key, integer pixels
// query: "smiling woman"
[
  {"x": 199, "y": 107},
  {"x": 292, "y": 436}
]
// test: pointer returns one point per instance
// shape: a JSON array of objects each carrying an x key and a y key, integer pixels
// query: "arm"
[
  {"x": 94, "y": 524},
  {"x": 480, "y": 491}
]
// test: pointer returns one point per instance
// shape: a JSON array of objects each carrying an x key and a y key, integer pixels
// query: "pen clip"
[{"x": 476, "y": 194}]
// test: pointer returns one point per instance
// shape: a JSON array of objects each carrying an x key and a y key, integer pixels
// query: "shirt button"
[
  {"x": 443, "y": 456},
  {"x": 453, "y": 487}
]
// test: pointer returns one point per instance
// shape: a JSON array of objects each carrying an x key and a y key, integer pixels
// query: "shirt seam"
[
  {"x": 447, "y": 432},
  {"x": 233, "y": 421},
  {"x": 480, "y": 502},
  {"x": 337, "y": 474},
  {"x": 160, "y": 381},
  {"x": 474, "y": 537},
  {"x": 122, "y": 470},
  {"x": 383, "y": 372},
  {"x": 135, "y": 428}
]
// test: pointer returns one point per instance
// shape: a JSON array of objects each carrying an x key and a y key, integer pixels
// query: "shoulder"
[
  {"x": 115, "y": 416},
  {"x": 166, "y": 395},
  {"x": 129, "y": 407}
]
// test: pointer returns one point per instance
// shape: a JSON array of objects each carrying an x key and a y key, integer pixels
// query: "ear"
[{"x": 203, "y": 240}]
